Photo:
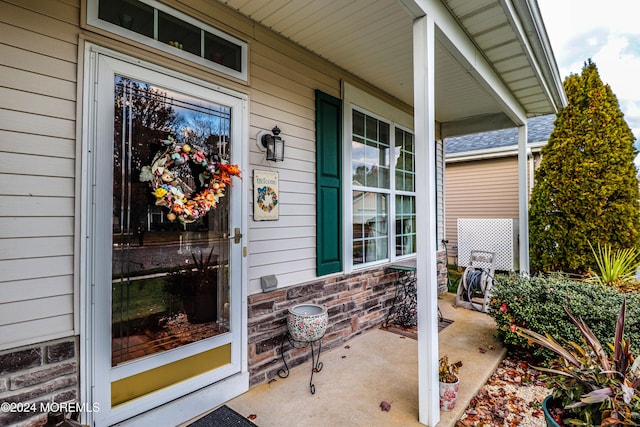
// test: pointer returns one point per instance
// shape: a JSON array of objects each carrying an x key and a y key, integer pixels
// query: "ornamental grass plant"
[{"x": 615, "y": 267}]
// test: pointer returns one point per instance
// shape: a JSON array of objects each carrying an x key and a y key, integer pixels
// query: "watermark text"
[{"x": 46, "y": 407}]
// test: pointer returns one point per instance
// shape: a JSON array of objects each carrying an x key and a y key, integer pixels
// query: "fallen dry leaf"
[
  {"x": 511, "y": 397},
  {"x": 385, "y": 406}
]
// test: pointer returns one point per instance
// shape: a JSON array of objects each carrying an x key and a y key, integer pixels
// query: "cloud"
[
  {"x": 609, "y": 35},
  {"x": 617, "y": 56},
  {"x": 579, "y": 48},
  {"x": 631, "y": 110},
  {"x": 633, "y": 45}
]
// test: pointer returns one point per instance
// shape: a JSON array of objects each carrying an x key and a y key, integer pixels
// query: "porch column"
[
  {"x": 523, "y": 199},
  {"x": 424, "y": 122}
]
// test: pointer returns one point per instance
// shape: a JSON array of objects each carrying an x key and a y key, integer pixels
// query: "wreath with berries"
[{"x": 173, "y": 166}]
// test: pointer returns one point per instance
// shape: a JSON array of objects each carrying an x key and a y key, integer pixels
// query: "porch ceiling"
[{"x": 373, "y": 40}]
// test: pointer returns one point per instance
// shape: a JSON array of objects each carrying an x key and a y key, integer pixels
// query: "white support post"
[
  {"x": 424, "y": 123},
  {"x": 523, "y": 199}
]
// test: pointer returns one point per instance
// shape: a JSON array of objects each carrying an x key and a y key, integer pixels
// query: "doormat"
[
  {"x": 223, "y": 417},
  {"x": 412, "y": 332}
]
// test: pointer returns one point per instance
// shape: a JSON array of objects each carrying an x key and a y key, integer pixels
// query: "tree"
[
  {"x": 586, "y": 189},
  {"x": 143, "y": 117}
]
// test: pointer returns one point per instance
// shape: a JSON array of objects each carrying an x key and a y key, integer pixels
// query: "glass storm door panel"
[
  {"x": 170, "y": 252},
  {"x": 164, "y": 216}
]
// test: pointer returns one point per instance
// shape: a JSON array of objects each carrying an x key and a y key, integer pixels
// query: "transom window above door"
[{"x": 162, "y": 27}]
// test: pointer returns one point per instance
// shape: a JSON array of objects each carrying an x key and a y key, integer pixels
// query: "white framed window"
[
  {"x": 379, "y": 181},
  {"x": 405, "y": 194},
  {"x": 157, "y": 25}
]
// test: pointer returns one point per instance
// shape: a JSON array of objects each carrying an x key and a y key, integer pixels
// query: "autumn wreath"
[
  {"x": 175, "y": 164},
  {"x": 263, "y": 194}
]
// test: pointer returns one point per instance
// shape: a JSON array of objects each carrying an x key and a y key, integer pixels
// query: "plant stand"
[
  {"x": 316, "y": 365},
  {"x": 403, "y": 310}
]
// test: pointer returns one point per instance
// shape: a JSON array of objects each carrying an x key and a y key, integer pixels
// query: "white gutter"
[
  {"x": 536, "y": 42},
  {"x": 491, "y": 153}
]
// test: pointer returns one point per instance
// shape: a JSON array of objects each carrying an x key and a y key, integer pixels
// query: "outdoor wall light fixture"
[{"x": 273, "y": 143}]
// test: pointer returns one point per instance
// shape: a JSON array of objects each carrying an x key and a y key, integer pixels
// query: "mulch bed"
[{"x": 511, "y": 397}]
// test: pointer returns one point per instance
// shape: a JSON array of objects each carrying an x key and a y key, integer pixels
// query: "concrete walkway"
[{"x": 378, "y": 365}]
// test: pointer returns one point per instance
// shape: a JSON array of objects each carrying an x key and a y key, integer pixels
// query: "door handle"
[{"x": 237, "y": 235}]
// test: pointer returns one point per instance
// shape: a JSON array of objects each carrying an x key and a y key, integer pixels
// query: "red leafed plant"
[{"x": 595, "y": 386}]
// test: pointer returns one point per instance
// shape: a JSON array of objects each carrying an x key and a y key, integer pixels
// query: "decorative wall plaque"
[{"x": 265, "y": 196}]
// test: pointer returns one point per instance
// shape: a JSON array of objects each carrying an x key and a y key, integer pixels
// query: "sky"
[{"x": 608, "y": 32}]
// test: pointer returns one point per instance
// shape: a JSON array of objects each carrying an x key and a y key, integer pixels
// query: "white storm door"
[{"x": 164, "y": 224}]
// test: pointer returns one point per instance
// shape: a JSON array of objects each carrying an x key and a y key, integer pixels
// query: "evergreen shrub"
[
  {"x": 537, "y": 303},
  {"x": 585, "y": 190}
]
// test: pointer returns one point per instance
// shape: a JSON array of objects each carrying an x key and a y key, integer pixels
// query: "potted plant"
[
  {"x": 591, "y": 386},
  {"x": 196, "y": 288},
  {"x": 448, "y": 376}
]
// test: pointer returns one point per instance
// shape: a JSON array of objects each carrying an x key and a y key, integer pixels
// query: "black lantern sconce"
[{"x": 273, "y": 143}]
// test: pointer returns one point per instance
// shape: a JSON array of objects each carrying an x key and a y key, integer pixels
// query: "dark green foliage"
[
  {"x": 585, "y": 188},
  {"x": 538, "y": 304}
]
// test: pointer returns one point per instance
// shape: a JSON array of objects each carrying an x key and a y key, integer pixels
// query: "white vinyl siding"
[
  {"x": 283, "y": 79},
  {"x": 38, "y": 166},
  {"x": 37, "y": 169}
]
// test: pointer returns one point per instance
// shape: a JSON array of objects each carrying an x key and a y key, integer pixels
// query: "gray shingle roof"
[{"x": 539, "y": 129}]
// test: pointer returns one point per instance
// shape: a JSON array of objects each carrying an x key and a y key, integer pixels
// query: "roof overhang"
[{"x": 494, "y": 64}]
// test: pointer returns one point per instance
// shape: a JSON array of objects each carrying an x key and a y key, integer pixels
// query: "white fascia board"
[
  {"x": 458, "y": 44},
  {"x": 492, "y": 153},
  {"x": 542, "y": 50},
  {"x": 539, "y": 51}
]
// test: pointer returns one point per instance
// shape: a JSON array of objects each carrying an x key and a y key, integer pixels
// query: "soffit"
[{"x": 373, "y": 40}]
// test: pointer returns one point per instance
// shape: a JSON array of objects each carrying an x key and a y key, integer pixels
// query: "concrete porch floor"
[{"x": 375, "y": 366}]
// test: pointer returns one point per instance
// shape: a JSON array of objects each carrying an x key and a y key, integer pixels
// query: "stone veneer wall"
[
  {"x": 36, "y": 374},
  {"x": 355, "y": 302}
]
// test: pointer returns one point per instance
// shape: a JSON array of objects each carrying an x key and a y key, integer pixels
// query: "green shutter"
[{"x": 328, "y": 184}]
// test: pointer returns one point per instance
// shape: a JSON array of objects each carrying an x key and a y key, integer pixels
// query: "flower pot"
[
  {"x": 547, "y": 415},
  {"x": 307, "y": 322},
  {"x": 448, "y": 395},
  {"x": 200, "y": 308},
  {"x": 196, "y": 292}
]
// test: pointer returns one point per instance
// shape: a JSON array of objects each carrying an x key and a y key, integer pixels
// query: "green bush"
[{"x": 537, "y": 303}]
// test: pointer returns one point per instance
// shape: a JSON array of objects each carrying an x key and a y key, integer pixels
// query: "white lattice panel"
[{"x": 499, "y": 235}]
